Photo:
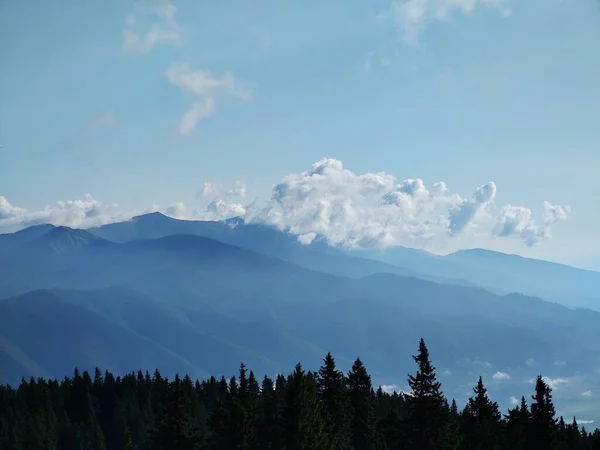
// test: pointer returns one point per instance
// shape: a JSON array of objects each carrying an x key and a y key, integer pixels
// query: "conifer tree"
[
  {"x": 172, "y": 427},
  {"x": 335, "y": 404},
  {"x": 482, "y": 421},
  {"x": 517, "y": 425},
  {"x": 363, "y": 426},
  {"x": 428, "y": 415},
  {"x": 302, "y": 415},
  {"x": 542, "y": 424}
]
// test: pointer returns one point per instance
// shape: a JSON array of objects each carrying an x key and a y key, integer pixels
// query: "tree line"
[{"x": 306, "y": 410}]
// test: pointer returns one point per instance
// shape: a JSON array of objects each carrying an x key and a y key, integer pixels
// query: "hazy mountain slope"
[
  {"x": 470, "y": 331},
  {"x": 192, "y": 304},
  {"x": 505, "y": 273},
  {"x": 498, "y": 272},
  {"x": 259, "y": 238},
  {"x": 116, "y": 329}
]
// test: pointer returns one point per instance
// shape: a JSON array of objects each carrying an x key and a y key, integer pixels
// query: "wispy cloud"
[
  {"x": 95, "y": 126},
  {"x": 200, "y": 110},
  {"x": 150, "y": 25},
  {"x": 205, "y": 86},
  {"x": 208, "y": 188},
  {"x": 410, "y": 18}
]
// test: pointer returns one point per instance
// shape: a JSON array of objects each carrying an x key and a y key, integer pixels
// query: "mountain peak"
[
  {"x": 63, "y": 239},
  {"x": 156, "y": 215}
]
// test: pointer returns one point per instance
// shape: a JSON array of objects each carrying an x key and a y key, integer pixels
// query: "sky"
[{"x": 436, "y": 124}]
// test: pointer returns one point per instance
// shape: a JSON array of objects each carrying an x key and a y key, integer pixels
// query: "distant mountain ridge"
[
  {"x": 498, "y": 272},
  {"x": 198, "y": 297}
]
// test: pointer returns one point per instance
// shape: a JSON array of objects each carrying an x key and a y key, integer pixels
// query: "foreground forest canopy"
[{"x": 305, "y": 410}]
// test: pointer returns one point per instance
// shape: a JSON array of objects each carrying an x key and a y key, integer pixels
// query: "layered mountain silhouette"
[{"x": 199, "y": 297}]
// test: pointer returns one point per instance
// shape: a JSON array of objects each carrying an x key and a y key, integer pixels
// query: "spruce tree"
[
  {"x": 363, "y": 426},
  {"x": 335, "y": 403},
  {"x": 428, "y": 415},
  {"x": 172, "y": 427},
  {"x": 542, "y": 425},
  {"x": 481, "y": 421},
  {"x": 517, "y": 425},
  {"x": 304, "y": 426}
]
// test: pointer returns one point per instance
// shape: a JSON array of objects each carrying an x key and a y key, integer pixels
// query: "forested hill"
[{"x": 305, "y": 410}]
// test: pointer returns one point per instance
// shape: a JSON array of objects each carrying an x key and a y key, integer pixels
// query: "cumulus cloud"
[
  {"x": 374, "y": 210},
  {"x": 466, "y": 212},
  {"x": 513, "y": 400},
  {"x": 150, "y": 25},
  {"x": 411, "y": 17},
  {"x": 390, "y": 388},
  {"x": 530, "y": 362},
  {"x": 81, "y": 213},
  {"x": 330, "y": 202},
  {"x": 501, "y": 376},
  {"x": 176, "y": 210},
  {"x": 221, "y": 210},
  {"x": 587, "y": 394},
  {"x": 8, "y": 211},
  {"x": 519, "y": 221},
  {"x": 204, "y": 86}
]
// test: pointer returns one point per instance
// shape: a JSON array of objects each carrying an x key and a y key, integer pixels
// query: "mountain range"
[{"x": 200, "y": 297}]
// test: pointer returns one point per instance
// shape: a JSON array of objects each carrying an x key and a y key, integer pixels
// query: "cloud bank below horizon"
[{"x": 370, "y": 210}]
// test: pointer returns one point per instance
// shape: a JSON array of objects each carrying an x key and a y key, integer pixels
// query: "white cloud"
[
  {"x": 462, "y": 215},
  {"x": 307, "y": 239},
  {"x": 501, "y": 376},
  {"x": 374, "y": 210},
  {"x": 239, "y": 190},
  {"x": 176, "y": 210},
  {"x": 390, "y": 388},
  {"x": 221, "y": 210},
  {"x": 208, "y": 188},
  {"x": 200, "y": 110},
  {"x": 554, "y": 383},
  {"x": 483, "y": 363},
  {"x": 585, "y": 422},
  {"x": 205, "y": 86},
  {"x": 519, "y": 221},
  {"x": 370, "y": 210},
  {"x": 530, "y": 362},
  {"x": 82, "y": 213},
  {"x": 150, "y": 25},
  {"x": 513, "y": 400},
  {"x": 411, "y": 17},
  {"x": 447, "y": 372},
  {"x": 560, "y": 363},
  {"x": 586, "y": 394}
]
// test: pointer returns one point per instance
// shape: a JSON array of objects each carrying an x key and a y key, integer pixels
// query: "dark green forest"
[{"x": 305, "y": 410}]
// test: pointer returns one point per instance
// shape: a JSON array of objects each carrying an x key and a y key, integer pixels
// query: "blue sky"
[{"x": 141, "y": 104}]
